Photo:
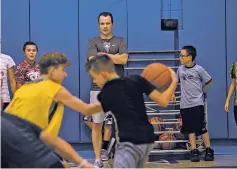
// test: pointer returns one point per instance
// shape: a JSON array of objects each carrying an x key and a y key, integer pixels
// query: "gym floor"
[{"x": 225, "y": 157}]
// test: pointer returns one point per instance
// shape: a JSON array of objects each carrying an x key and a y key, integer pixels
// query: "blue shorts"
[{"x": 22, "y": 147}]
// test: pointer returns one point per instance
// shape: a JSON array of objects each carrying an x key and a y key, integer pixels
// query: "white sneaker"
[
  {"x": 104, "y": 155},
  {"x": 98, "y": 164}
]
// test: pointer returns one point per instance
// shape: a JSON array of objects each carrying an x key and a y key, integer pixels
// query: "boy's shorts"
[
  {"x": 129, "y": 155},
  {"x": 193, "y": 120},
  {"x": 98, "y": 117},
  {"x": 22, "y": 147}
]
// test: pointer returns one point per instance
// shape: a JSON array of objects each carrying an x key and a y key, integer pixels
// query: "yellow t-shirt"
[
  {"x": 56, "y": 121},
  {"x": 32, "y": 103}
]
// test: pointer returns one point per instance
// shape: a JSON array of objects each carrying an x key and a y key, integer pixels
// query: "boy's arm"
[
  {"x": 230, "y": 92},
  {"x": 11, "y": 74},
  {"x": 206, "y": 78},
  {"x": 163, "y": 98},
  {"x": 206, "y": 86},
  {"x": 65, "y": 97},
  {"x": 12, "y": 79},
  {"x": 64, "y": 149},
  {"x": 92, "y": 50},
  {"x": 173, "y": 98}
]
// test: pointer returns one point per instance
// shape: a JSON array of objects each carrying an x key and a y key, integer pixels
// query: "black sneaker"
[
  {"x": 194, "y": 155},
  {"x": 209, "y": 154}
]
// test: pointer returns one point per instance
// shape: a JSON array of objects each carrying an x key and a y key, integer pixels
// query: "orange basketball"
[
  {"x": 157, "y": 127},
  {"x": 158, "y": 74},
  {"x": 167, "y": 137}
]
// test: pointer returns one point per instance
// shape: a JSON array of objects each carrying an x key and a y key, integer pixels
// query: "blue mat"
[{"x": 225, "y": 150}]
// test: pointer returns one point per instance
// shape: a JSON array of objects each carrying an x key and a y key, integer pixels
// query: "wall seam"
[
  {"x": 29, "y": 23},
  {"x": 226, "y": 66}
]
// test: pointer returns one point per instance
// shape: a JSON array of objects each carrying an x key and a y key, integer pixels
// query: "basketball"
[
  {"x": 157, "y": 127},
  {"x": 168, "y": 145},
  {"x": 158, "y": 74}
]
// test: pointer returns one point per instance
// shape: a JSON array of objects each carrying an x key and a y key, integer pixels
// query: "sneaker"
[
  {"x": 88, "y": 118},
  {"x": 98, "y": 164},
  {"x": 194, "y": 155},
  {"x": 104, "y": 155},
  {"x": 108, "y": 121},
  {"x": 209, "y": 154}
]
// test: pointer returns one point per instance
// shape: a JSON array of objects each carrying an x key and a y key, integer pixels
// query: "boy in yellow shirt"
[{"x": 26, "y": 130}]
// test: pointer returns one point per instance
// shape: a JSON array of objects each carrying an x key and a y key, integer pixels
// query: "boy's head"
[
  {"x": 30, "y": 50},
  {"x": 53, "y": 66},
  {"x": 101, "y": 69},
  {"x": 187, "y": 54}
]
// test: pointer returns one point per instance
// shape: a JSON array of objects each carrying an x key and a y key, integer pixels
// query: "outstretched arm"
[
  {"x": 64, "y": 149},
  {"x": 65, "y": 97}
]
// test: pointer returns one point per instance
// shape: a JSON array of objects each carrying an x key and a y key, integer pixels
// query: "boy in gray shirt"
[{"x": 194, "y": 81}]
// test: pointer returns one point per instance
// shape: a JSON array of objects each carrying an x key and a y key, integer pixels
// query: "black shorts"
[{"x": 193, "y": 120}]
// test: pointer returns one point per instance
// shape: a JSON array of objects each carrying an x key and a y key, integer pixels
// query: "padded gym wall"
[
  {"x": 66, "y": 26},
  {"x": 54, "y": 27},
  {"x": 15, "y": 27}
]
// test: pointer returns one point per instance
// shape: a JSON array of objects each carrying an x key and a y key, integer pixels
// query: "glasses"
[{"x": 181, "y": 55}]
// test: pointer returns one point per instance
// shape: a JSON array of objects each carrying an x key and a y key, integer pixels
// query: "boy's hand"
[
  {"x": 173, "y": 98},
  {"x": 227, "y": 106}
]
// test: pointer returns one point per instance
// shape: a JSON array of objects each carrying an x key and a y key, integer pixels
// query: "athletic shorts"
[
  {"x": 193, "y": 120},
  {"x": 97, "y": 117},
  {"x": 22, "y": 147},
  {"x": 129, "y": 155}
]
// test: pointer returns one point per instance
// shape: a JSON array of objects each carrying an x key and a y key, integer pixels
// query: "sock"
[{"x": 105, "y": 145}]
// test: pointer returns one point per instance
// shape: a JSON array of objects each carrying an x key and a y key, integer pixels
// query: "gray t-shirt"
[
  {"x": 115, "y": 45},
  {"x": 192, "y": 80}
]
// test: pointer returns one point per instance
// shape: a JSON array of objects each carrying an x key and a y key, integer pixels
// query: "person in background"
[
  {"x": 116, "y": 48},
  {"x": 28, "y": 69},
  {"x": 233, "y": 87},
  {"x": 6, "y": 73},
  {"x": 194, "y": 82}
]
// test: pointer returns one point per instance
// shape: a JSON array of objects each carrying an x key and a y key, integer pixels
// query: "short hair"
[
  {"x": 106, "y": 14},
  {"x": 191, "y": 51},
  {"x": 100, "y": 63},
  {"x": 29, "y": 43},
  {"x": 52, "y": 59}
]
